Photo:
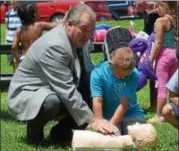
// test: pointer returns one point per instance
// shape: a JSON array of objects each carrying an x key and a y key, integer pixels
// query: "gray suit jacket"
[{"x": 50, "y": 66}]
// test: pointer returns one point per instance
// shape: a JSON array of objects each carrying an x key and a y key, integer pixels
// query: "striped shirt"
[{"x": 12, "y": 22}]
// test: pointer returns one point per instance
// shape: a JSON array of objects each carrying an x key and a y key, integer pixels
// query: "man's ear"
[
  {"x": 69, "y": 23},
  {"x": 111, "y": 62}
]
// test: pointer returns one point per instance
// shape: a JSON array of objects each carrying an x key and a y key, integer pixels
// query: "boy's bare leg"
[
  {"x": 170, "y": 116},
  {"x": 153, "y": 95}
]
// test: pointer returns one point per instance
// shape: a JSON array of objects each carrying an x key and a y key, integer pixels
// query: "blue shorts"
[
  {"x": 175, "y": 110},
  {"x": 125, "y": 122}
]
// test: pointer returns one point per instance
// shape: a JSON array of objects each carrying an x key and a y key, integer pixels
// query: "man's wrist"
[
  {"x": 115, "y": 121},
  {"x": 91, "y": 121}
]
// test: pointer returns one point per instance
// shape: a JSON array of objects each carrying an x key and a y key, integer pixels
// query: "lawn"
[{"x": 13, "y": 133}]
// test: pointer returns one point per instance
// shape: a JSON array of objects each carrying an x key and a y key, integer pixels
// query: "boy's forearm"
[
  {"x": 97, "y": 109},
  {"x": 118, "y": 115}
]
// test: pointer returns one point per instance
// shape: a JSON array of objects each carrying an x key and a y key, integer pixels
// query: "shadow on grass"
[
  {"x": 6, "y": 116},
  {"x": 45, "y": 145},
  {"x": 172, "y": 143},
  {"x": 148, "y": 110}
]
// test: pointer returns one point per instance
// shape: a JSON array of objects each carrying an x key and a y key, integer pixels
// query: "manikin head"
[
  {"x": 80, "y": 23},
  {"x": 144, "y": 135}
]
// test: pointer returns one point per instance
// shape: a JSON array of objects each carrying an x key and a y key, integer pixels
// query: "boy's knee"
[{"x": 167, "y": 110}]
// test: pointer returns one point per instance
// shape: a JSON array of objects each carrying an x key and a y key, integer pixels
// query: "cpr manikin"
[{"x": 139, "y": 136}]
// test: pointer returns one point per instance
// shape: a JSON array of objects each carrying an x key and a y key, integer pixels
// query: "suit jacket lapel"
[{"x": 75, "y": 65}]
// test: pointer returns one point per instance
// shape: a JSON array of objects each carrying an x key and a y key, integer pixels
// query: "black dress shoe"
[
  {"x": 35, "y": 135},
  {"x": 61, "y": 134}
]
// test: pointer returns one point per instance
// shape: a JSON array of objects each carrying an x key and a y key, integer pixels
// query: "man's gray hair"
[{"x": 75, "y": 13}]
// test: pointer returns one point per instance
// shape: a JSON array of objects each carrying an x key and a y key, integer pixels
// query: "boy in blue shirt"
[{"x": 113, "y": 89}]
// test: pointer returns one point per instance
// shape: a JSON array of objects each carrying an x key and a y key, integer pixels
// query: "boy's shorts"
[
  {"x": 125, "y": 122},
  {"x": 175, "y": 110}
]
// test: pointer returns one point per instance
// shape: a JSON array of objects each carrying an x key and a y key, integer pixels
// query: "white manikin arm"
[{"x": 83, "y": 139}]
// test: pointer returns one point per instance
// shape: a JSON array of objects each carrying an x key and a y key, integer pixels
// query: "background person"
[
  {"x": 148, "y": 8},
  {"x": 171, "y": 111},
  {"x": 30, "y": 30},
  {"x": 46, "y": 81},
  {"x": 163, "y": 51},
  {"x": 12, "y": 22}
]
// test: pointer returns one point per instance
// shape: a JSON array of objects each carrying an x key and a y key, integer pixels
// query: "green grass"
[
  {"x": 5, "y": 68},
  {"x": 13, "y": 133}
]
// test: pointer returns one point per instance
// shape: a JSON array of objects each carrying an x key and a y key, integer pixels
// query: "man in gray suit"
[{"x": 46, "y": 81}]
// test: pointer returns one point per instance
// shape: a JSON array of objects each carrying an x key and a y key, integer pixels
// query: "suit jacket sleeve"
[{"x": 55, "y": 65}]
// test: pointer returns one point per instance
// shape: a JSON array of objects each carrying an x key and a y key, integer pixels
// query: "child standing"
[
  {"x": 163, "y": 52},
  {"x": 12, "y": 22},
  {"x": 30, "y": 30}
]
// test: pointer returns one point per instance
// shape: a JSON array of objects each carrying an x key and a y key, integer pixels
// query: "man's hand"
[{"x": 103, "y": 126}]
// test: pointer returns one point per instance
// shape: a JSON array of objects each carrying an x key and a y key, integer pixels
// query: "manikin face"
[
  {"x": 137, "y": 129},
  {"x": 144, "y": 135},
  {"x": 79, "y": 34}
]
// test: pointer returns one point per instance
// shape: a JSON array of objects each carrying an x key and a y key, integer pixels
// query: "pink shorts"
[{"x": 166, "y": 65}]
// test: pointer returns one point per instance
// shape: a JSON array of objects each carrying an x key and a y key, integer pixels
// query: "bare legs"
[
  {"x": 158, "y": 119},
  {"x": 160, "y": 104},
  {"x": 153, "y": 94},
  {"x": 170, "y": 116}
]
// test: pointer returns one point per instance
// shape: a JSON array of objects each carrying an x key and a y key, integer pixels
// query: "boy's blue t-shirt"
[{"x": 103, "y": 83}]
